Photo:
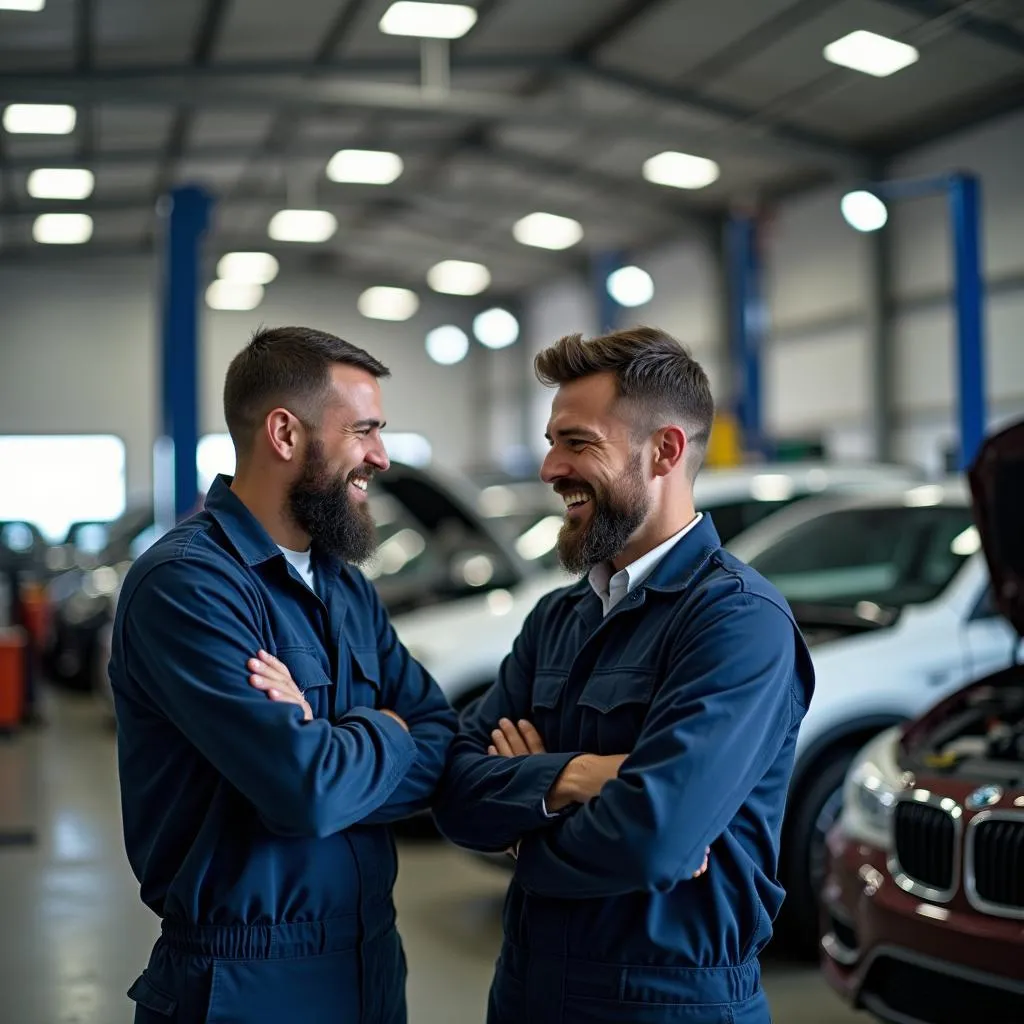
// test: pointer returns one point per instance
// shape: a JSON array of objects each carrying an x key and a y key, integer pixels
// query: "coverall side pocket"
[{"x": 150, "y": 1003}]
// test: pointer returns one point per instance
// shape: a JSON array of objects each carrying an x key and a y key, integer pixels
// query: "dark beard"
[
  {"x": 615, "y": 516},
  {"x": 320, "y": 504}
]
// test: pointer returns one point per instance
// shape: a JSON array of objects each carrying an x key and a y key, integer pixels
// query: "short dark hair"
[
  {"x": 655, "y": 374},
  {"x": 287, "y": 366}
]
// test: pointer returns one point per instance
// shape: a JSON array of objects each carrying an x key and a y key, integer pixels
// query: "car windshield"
[{"x": 889, "y": 556}]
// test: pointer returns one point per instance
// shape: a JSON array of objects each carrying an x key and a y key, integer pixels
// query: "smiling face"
[
  {"x": 328, "y": 497},
  {"x": 596, "y": 466}
]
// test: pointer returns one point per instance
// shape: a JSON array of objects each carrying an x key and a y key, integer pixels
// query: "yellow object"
[{"x": 725, "y": 448}]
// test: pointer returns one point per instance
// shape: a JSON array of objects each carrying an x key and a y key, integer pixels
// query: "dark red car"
[{"x": 923, "y": 905}]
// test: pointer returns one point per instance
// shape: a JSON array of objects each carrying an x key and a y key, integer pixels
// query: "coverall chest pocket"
[
  {"x": 545, "y": 711},
  {"x": 365, "y": 688},
  {"x": 613, "y": 706},
  {"x": 308, "y": 672}
]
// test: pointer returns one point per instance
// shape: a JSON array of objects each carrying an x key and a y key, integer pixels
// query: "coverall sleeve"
[
  {"x": 411, "y": 692},
  {"x": 487, "y": 802},
  {"x": 714, "y": 728},
  {"x": 189, "y": 631}
]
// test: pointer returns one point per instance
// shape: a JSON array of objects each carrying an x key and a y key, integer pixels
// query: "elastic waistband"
[
  {"x": 636, "y": 982},
  {"x": 278, "y": 941}
]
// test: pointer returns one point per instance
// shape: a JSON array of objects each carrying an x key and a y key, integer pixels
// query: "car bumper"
[{"x": 910, "y": 961}]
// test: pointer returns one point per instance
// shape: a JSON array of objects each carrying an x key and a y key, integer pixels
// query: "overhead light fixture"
[
  {"x": 384, "y": 303},
  {"x": 547, "y": 231},
  {"x": 60, "y": 183},
  {"x": 427, "y": 20},
  {"x": 447, "y": 345},
  {"x": 62, "y": 228},
  {"x": 871, "y": 53},
  {"x": 681, "y": 170},
  {"x": 496, "y": 328},
  {"x": 365, "y": 166},
  {"x": 630, "y": 286},
  {"x": 302, "y": 226},
  {"x": 248, "y": 267},
  {"x": 458, "y": 277},
  {"x": 238, "y": 296},
  {"x": 39, "y": 119},
  {"x": 863, "y": 211},
  {"x": 22, "y": 5}
]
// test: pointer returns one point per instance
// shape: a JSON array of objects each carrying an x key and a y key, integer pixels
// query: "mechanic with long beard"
[
  {"x": 646, "y": 716},
  {"x": 270, "y": 724}
]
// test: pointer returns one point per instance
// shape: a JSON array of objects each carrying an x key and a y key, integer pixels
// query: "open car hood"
[{"x": 997, "y": 490}]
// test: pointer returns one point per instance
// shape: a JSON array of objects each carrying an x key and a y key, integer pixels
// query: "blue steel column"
[
  {"x": 187, "y": 219},
  {"x": 965, "y": 211},
  {"x": 747, "y": 327},
  {"x": 608, "y": 310}
]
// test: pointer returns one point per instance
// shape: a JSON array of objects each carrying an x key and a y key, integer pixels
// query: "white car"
[
  {"x": 463, "y": 644},
  {"x": 890, "y": 590}
]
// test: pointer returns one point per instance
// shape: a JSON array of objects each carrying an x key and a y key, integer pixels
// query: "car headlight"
[{"x": 869, "y": 793}]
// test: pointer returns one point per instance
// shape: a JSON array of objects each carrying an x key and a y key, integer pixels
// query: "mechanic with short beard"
[
  {"x": 635, "y": 752},
  {"x": 270, "y": 724}
]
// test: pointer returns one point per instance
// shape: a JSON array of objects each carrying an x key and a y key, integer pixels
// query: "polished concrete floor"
[{"x": 75, "y": 934}]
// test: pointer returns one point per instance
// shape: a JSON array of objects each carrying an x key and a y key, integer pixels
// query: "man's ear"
[
  {"x": 284, "y": 433},
  {"x": 669, "y": 448}
]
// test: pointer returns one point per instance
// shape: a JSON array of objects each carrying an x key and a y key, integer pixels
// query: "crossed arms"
[{"x": 715, "y": 725}]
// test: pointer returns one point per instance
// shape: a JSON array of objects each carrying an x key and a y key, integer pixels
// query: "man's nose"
[
  {"x": 378, "y": 458},
  {"x": 553, "y": 468}
]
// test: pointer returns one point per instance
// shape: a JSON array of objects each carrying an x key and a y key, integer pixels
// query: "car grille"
[
  {"x": 997, "y": 861},
  {"x": 937, "y": 996},
  {"x": 925, "y": 844}
]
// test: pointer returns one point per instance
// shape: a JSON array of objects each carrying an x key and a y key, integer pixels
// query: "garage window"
[{"x": 53, "y": 481}]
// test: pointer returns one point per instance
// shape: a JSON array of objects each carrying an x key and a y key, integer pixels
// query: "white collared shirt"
[{"x": 611, "y": 587}]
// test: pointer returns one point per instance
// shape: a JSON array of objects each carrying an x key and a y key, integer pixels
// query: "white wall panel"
[
  {"x": 815, "y": 382},
  {"x": 78, "y": 353}
]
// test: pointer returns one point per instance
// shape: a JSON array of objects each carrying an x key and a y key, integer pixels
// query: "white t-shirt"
[{"x": 302, "y": 562}]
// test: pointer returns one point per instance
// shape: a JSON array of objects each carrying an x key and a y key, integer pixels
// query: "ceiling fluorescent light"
[
  {"x": 871, "y": 53},
  {"x": 681, "y": 170},
  {"x": 248, "y": 267},
  {"x": 496, "y": 328},
  {"x": 630, "y": 286},
  {"x": 427, "y": 20},
  {"x": 22, "y": 5},
  {"x": 383, "y": 303},
  {"x": 60, "y": 183},
  {"x": 238, "y": 296},
  {"x": 302, "y": 226},
  {"x": 547, "y": 231},
  {"x": 447, "y": 345},
  {"x": 39, "y": 119},
  {"x": 863, "y": 211},
  {"x": 365, "y": 166},
  {"x": 62, "y": 228},
  {"x": 458, "y": 277}
]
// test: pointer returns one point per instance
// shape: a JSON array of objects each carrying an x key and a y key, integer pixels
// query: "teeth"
[
  {"x": 361, "y": 484},
  {"x": 574, "y": 499}
]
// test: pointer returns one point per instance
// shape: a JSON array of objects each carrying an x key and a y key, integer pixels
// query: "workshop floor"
[{"x": 76, "y": 935}]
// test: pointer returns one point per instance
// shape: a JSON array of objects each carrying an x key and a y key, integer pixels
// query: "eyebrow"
[{"x": 581, "y": 432}]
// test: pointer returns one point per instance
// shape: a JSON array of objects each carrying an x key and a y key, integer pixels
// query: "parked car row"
[{"x": 922, "y": 910}]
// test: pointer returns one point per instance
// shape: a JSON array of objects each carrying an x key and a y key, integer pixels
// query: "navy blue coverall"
[
  {"x": 262, "y": 842},
  {"x": 702, "y": 677}
]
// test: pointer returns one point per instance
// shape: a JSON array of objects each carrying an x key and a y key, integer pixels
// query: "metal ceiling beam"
[
  {"x": 326, "y": 96},
  {"x": 207, "y": 33},
  {"x": 966, "y": 21}
]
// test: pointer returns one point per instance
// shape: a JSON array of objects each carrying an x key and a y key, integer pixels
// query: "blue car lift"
[
  {"x": 175, "y": 480},
  {"x": 747, "y": 322}
]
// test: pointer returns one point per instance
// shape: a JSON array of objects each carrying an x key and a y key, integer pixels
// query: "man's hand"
[
  {"x": 272, "y": 677},
  {"x": 511, "y": 740},
  {"x": 583, "y": 778},
  {"x": 398, "y": 718}
]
